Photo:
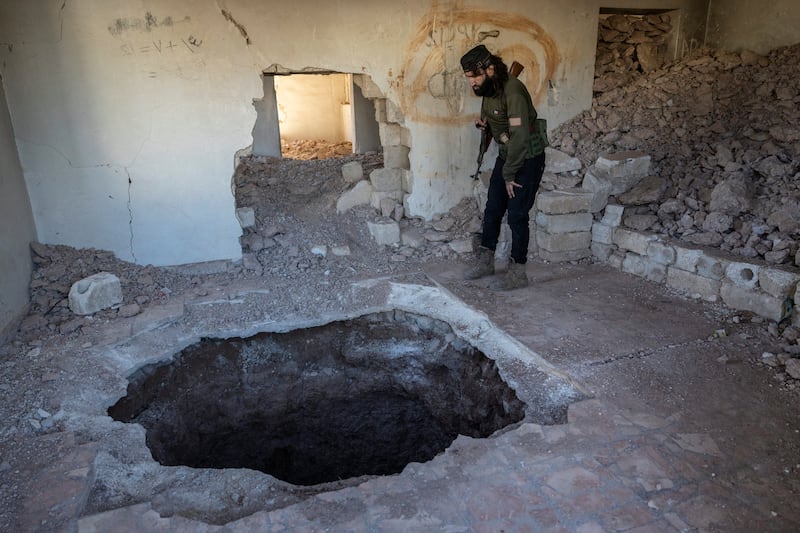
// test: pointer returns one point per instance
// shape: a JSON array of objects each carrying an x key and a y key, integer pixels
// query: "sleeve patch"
[{"x": 515, "y": 121}]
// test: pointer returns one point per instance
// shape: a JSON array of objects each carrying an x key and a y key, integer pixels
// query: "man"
[{"x": 507, "y": 110}]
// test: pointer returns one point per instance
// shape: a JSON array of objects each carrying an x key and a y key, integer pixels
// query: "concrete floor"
[{"x": 681, "y": 430}]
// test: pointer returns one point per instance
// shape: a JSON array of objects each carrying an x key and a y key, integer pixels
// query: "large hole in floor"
[{"x": 359, "y": 397}]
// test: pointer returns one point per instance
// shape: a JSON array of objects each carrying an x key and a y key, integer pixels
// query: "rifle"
[{"x": 486, "y": 133}]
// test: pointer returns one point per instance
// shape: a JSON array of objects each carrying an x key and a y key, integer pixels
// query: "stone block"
[
  {"x": 600, "y": 189},
  {"x": 778, "y": 283},
  {"x": 567, "y": 255},
  {"x": 393, "y": 113},
  {"x": 686, "y": 258},
  {"x": 386, "y": 179},
  {"x": 385, "y": 232},
  {"x": 563, "y": 202},
  {"x": 412, "y": 237},
  {"x": 358, "y": 195},
  {"x": 390, "y": 134},
  {"x": 602, "y": 251},
  {"x": 616, "y": 259},
  {"x": 557, "y": 161},
  {"x": 569, "y": 223},
  {"x": 692, "y": 284},
  {"x": 633, "y": 241},
  {"x": 712, "y": 267},
  {"x": 655, "y": 271},
  {"x": 758, "y": 302},
  {"x": 246, "y": 217},
  {"x": 661, "y": 253},
  {"x": 634, "y": 264},
  {"x": 368, "y": 87},
  {"x": 602, "y": 234},
  {"x": 408, "y": 181},
  {"x": 95, "y": 293},
  {"x": 462, "y": 246},
  {"x": 396, "y": 157},
  {"x": 380, "y": 109},
  {"x": 612, "y": 216},
  {"x": 744, "y": 275},
  {"x": 563, "y": 242},
  {"x": 622, "y": 166},
  {"x": 340, "y": 251},
  {"x": 352, "y": 172},
  {"x": 377, "y": 197}
]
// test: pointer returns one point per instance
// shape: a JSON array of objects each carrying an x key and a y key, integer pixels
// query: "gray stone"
[
  {"x": 602, "y": 251},
  {"x": 711, "y": 267},
  {"x": 633, "y": 241},
  {"x": 94, "y": 293},
  {"x": 692, "y": 284},
  {"x": 719, "y": 222},
  {"x": 778, "y": 283},
  {"x": 320, "y": 250},
  {"x": 758, "y": 302},
  {"x": 686, "y": 258},
  {"x": 623, "y": 170},
  {"x": 649, "y": 191},
  {"x": 352, "y": 172},
  {"x": 602, "y": 234},
  {"x": 568, "y": 223},
  {"x": 413, "y": 237},
  {"x": 612, "y": 216},
  {"x": 732, "y": 196},
  {"x": 661, "y": 253},
  {"x": 340, "y": 251},
  {"x": 387, "y": 179},
  {"x": 562, "y": 242},
  {"x": 246, "y": 217},
  {"x": 557, "y": 161},
  {"x": 127, "y": 311},
  {"x": 358, "y": 195},
  {"x": 377, "y": 197},
  {"x": 385, "y": 232},
  {"x": 566, "y": 255},
  {"x": 462, "y": 246},
  {"x": 634, "y": 264},
  {"x": 640, "y": 222},
  {"x": 563, "y": 202},
  {"x": 793, "y": 368},
  {"x": 744, "y": 275},
  {"x": 396, "y": 157},
  {"x": 600, "y": 189}
]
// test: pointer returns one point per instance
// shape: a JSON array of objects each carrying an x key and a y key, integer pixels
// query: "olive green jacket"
[{"x": 512, "y": 121}]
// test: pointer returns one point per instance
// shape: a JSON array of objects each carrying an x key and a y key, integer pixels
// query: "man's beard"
[{"x": 487, "y": 88}]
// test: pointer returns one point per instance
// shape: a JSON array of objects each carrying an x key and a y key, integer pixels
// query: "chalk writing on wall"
[
  {"x": 160, "y": 46},
  {"x": 432, "y": 85},
  {"x": 147, "y": 23}
]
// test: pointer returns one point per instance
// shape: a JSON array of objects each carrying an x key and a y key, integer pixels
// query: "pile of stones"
[
  {"x": 722, "y": 131},
  {"x": 627, "y": 46}
]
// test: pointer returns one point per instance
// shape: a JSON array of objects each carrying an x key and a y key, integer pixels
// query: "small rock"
[
  {"x": 129, "y": 310},
  {"x": 793, "y": 368}
]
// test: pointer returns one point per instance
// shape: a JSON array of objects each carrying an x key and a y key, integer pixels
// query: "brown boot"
[
  {"x": 483, "y": 264},
  {"x": 514, "y": 278}
]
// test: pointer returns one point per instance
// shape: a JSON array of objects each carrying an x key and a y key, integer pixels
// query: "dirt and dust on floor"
[{"x": 722, "y": 132}]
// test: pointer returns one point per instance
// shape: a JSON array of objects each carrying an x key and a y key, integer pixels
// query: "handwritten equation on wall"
[
  {"x": 432, "y": 85},
  {"x": 150, "y": 38}
]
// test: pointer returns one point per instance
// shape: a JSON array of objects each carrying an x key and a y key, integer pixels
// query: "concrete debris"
[{"x": 95, "y": 293}]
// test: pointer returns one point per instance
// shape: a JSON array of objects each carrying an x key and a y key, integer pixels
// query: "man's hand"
[
  {"x": 480, "y": 123},
  {"x": 510, "y": 188}
]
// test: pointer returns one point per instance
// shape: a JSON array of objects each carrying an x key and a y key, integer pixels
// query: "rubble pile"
[
  {"x": 722, "y": 130},
  {"x": 627, "y": 46}
]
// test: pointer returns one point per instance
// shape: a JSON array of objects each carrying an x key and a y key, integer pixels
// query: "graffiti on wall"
[{"x": 432, "y": 85}]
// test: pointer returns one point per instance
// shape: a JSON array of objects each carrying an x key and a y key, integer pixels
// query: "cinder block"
[
  {"x": 634, "y": 264},
  {"x": 385, "y": 232},
  {"x": 744, "y": 275},
  {"x": 745, "y": 299},
  {"x": 567, "y": 255},
  {"x": 602, "y": 234},
  {"x": 563, "y": 242},
  {"x": 358, "y": 195},
  {"x": 778, "y": 283},
  {"x": 692, "y": 284},
  {"x": 563, "y": 202},
  {"x": 661, "y": 253},
  {"x": 612, "y": 216},
  {"x": 633, "y": 241},
  {"x": 386, "y": 179},
  {"x": 569, "y": 223},
  {"x": 95, "y": 293},
  {"x": 352, "y": 172}
]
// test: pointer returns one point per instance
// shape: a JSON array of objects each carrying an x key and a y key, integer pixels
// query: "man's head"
[{"x": 486, "y": 73}]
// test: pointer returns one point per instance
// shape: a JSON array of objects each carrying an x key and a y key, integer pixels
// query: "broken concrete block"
[
  {"x": 563, "y": 202},
  {"x": 661, "y": 253},
  {"x": 246, "y": 217},
  {"x": 413, "y": 237},
  {"x": 602, "y": 251},
  {"x": 599, "y": 187},
  {"x": 692, "y": 284},
  {"x": 711, "y": 267},
  {"x": 612, "y": 216},
  {"x": 390, "y": 134},
  {"x": 386, "y": 179},
  {"x": 358, "y": 195},
  {"x": 634, "y": 264},
  {"x": 633, "y": 241},
  {"x": 396, "y": 157},
  {"x": 778, "y": 283},
  {"x": 462, "y": 246},
  {"x": 352, "y": 172},
  {"x": 562, "y": 242},
  {"x": 742, "y": 275},
  {"x": 557, "y": 161},
  {"x": 745, "y": 299},
  {"x": 377, "y": 197},
  {"x": 385, "y": 232},
  {"x": 624, "y": 169},
  {"x": 95, "y": 293},
  {"x": 686, "y": 258},
  {"x": 567, "y": 223},
  {"x": 602, "y": 234}
]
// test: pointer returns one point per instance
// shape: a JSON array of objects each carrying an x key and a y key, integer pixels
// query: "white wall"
[
  {"x": 310, "y": 106},
  {"x": 16, "y": 228},
  {"x": 128, "y": 114},
  {"x": 755, "y": 25}
]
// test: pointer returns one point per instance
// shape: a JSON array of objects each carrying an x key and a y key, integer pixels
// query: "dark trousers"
[{"x": 498, "y": 202}]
